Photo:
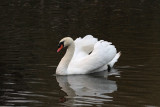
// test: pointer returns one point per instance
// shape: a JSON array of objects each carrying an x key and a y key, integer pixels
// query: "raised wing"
[
  {"x": 83, "y": 46},
  {"x": 102, "y": 54}
]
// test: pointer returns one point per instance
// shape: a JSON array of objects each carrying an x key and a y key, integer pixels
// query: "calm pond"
[{"x": 29, "y": 35}]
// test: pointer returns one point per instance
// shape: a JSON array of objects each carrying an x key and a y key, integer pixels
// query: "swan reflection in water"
[{"x": 86, "y": 90}]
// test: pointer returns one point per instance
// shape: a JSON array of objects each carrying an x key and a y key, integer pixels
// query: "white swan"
[{"x": 86, "y": 55}]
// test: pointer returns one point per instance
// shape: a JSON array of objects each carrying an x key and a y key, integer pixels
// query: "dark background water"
[{"x": 31, "y": 29}]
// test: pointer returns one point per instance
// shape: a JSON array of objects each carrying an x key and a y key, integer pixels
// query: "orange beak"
[{"x": 60, "y": 48}]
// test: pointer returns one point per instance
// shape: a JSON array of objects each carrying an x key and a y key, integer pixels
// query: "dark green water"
[{"x": 29, "y": 34}]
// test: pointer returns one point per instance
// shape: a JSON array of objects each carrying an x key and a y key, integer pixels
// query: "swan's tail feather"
[{"x": 114, "y": 60}]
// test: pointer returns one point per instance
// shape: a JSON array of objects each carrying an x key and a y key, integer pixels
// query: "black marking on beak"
[{"x": 61, "y": 43}]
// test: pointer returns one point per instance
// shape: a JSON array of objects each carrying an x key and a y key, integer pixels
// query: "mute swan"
[{"x": 86, "y": 55}]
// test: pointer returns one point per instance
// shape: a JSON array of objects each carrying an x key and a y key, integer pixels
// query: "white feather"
[
  {"x": 115, "y": 59},
  {"x": 84, "y": 46}
]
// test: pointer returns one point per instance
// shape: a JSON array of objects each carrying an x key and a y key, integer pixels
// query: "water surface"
[{"x": 31, "y": 30}]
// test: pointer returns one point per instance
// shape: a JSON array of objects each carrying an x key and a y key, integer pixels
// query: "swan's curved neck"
[{"x": 63, "y": 65}]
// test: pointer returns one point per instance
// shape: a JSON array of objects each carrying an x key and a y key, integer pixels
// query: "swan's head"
[{"x": 67, "y": 41}]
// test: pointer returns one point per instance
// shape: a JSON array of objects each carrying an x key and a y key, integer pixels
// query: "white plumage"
[{"x": 86, "y": 55}]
